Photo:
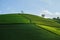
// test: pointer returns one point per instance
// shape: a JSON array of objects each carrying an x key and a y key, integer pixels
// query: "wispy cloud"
[
  {"x": 49, "y": 14},
  {"x": 46, "y": 12}
]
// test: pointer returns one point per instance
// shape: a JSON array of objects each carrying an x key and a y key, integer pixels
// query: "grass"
[
  {"x": 42, "y": 21},
  {"x": 13, "y": 18},
  {"x": 23, "y": 27},
  {"x": 52, "y": 29},
  {"x": 25, "y": 32}
]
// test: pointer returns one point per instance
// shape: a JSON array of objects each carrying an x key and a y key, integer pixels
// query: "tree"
[
  {"x": 54, "y": 18},
  {"x": 43, "y": 15},
  {"x": 22, "y": 11},
  {"x": 58, "y": 18}
]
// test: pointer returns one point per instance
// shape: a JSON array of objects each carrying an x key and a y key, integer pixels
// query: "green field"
[
  {"x": 28, "y": 27},
  {"x": 42, "y": 21}
]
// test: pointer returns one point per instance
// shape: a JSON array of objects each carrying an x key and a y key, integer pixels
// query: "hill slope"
[
  {"x": 23, "y": 27},
  {"x": 42, "y": 21},
  {"x": 25, "y": 32},
  {"x": 13, "y": 18}
]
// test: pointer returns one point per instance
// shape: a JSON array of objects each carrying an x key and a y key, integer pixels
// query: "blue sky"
[{"x": 51, "y": 8}]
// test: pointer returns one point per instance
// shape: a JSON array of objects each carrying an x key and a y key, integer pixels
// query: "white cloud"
[
  {"x": 49, "y": 14},
  {"x": 57, "y": 13},
  {"x": 46, "y": 12}
]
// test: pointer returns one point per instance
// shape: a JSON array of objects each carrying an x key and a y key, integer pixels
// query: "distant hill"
[{"x": 28, "y": 27}]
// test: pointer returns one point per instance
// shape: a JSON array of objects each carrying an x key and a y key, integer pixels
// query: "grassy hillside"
[
  {"x": 25, "y": 32},
  {"x": 57, "y": 20},
  {"x": 13, "y": 18},
  {"x": 23, "y": 27},
  {"x": 42, "y": 21}
]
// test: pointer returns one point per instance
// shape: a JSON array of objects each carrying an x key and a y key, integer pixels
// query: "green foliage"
[{"x": 57, "y": 20}]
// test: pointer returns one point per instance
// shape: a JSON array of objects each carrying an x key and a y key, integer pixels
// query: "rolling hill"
[
  {"x": 42, "y": 21},
  {"x": 28, "y": 27}
]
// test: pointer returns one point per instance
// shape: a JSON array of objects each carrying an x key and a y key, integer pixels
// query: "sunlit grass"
[
  {"x": 42, "y": 21},
  {"x": 26, "y": 32},
  {"x": 52, "y": 29},
  {"x": 13, "y": 18},
  {"x": 25, "y": 27}
]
